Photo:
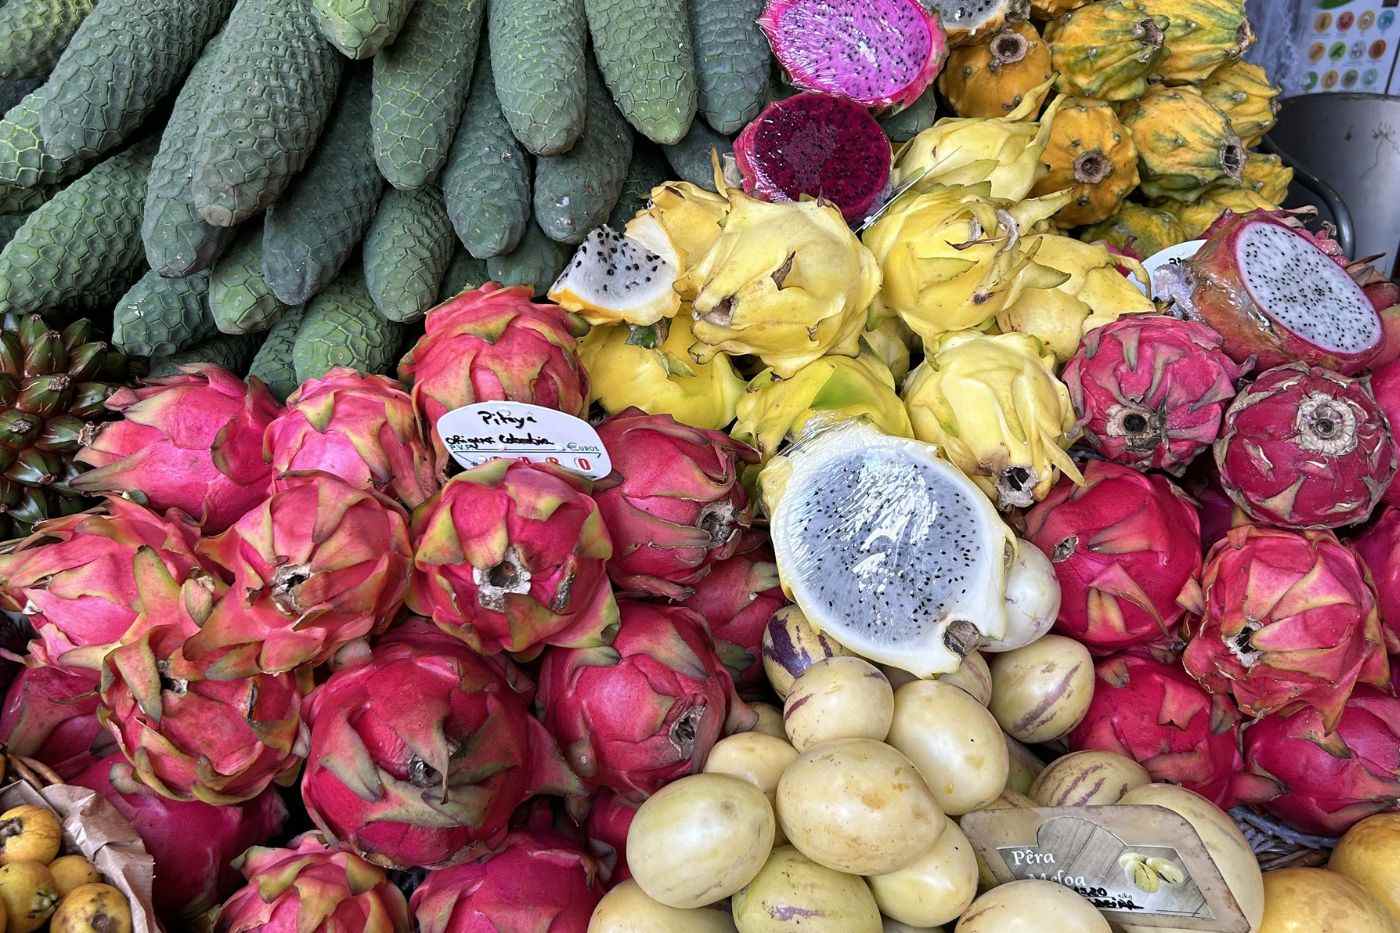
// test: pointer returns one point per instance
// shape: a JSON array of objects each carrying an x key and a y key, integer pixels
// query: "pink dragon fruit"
[
  {"x": 1306, "y": 448},
  {"x": 360, "y": 428},
  {"x": 737, "y": 598},
  {"x": 1151, "y": 390},
  {"x": 1323, "y": 780},
  {"x": 187, "y": 735},
  {"x": 191, "y": 442},
  {"x": 1379, "y": 550},
  {"x": 191, "y": 842},
  {"x": 317, "y": 565},
  {"x": 512, "y": 556},
  {"x": 495, "y": 344},
  {"x": 646, "y": 710},
  {"x": 1385, "y": 386},
  {"x": 73, "y": 576},
  {"x": 50, "y": 715},
  {"x": 1158, "y": 716},
  {"x": 819, "y": 146},
  {"x": 1289, "y": 617},
  {"x": 1272, "y": 293},
  {"x": 674, "y": 503},
  {"x": 1217, "y": 510},
  {"x": 312, "y": 887},
  {"x": 1126, "y": 547},
  {"x": 420, "y": 754},
  {"x": 539, "y": 881},
  {"x": 609, "y": 819},
  {"x": 879, "y": 53}
]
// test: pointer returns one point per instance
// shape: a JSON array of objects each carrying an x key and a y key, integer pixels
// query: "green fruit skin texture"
[
  {"x": 912, "y": 120},
  {"x": 691, "y": 156},
  {"x": 486, "y": 182},
  {"x": 420, "y": 84},
  {"x": 12, "y": 92},
  {"x": 342, "y": 327},
  {"x": 240, "y": 300},
  {"x": 311, "y": 232},
  {"x": 732, "y": 61},
  {"x": 230, "y": 352},
  {"x": 24, "y": 160},
  {"x": 537, "y": 55},
  {"x": 121, "y": 65},
  {"x": 536, "y": 262},
  {"x": 273, "y": 363},
  {"x": 81, "y": 251},
  {"x": 648, "y": 169},
  {"x": 23, "y": 200},
  {"x": 9, "y": 225},
  {"x": 33, "y": 33},
  {"x": 464, "y": 273},
  {"x": 277, "y": 80},
  {"x": 360, "y": 28},
  {"x": 178, "y": 241},
  {"x": 162, "y": 316},
  {"x": 576, "y": 191},
  {"x": 643, "y": 48},
  {"x": 407, "y": 251}
]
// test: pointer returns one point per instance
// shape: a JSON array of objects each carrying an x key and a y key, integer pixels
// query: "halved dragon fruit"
[
  {"x": 969, "y": 21},
  {"x": 1274, "y": 294},
  {"x": 619, "y": 277},
  {"x": 818, "y": 145},
  {"x": 887, "y": 548},
  {"x": 879, "y": 53}
]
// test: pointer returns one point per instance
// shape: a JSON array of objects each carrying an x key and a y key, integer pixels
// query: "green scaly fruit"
[
  {"x": 34, "y": 33},
  {"x": 9, "y": 226},
  {"x": 575, "y": 191},
  {"x": 240, "y": 300},
  {"x": 360, "y": 28},
  {"x": 643, "y": 50},
  {"x": 464, "y": 273},
  {"x": 343, "y": 328},
  {"x": 82, "y": 250},
  {"x": 419, "y": 84},
  {"x": 310, "y": 233},
  {"x": 538, "y": 50},
  {"x": 231, "y": 352},
  {"x": 904, "y": 125},
  {"x": 536, "y": 262},
  {"x": 119, "y": 68},
  {"x": 1184, "y": 143},
  {"x": 273, "y": 362},
  {"x": 733, "y": 64},
  {"x": 12, "y": 92},
  {"x": 278, "y": 79},
  {"x": 24, "y": 160},
  {"x": 162, "y": 316},
  {"x": 647, "y": 170},
  {"x": 23, "y": 200},
  {"x": 407, "y": 251},
  {"x": 691, "y": 156},
  {"x": 486, "y": 182}
]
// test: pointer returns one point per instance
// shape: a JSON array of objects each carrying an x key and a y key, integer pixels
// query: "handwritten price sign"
[{"x": 514, "y": 430}]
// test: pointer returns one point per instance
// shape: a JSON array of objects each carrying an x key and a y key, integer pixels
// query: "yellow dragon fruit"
[
  {"x": 1198, "y": 215},
  {"x": 1138, "y": 230},
  {"x": 650, "y": 368},
  {"x": 970, "y": 150},
  {"x": 785, "y": 282},
  {"x": 1053, "y": 9},
  {"x": 1184, "y": 142},
  {"x": 992, "y": 405},
  {"x": 1107, "y": 49},
  {"x": 1091, "y": 153},
  {"x": 1266, "y": 176},
  {"x": 689, "y": 216},
  {"x": 1202, "y": 35},
  {"x": 890, "y": 341},
  {"x": 833, "y": 388},
  {"x": 992, "y": 78},
  {"x": 1243, "y": 92},
  {"x": 1096, "y": 293},
  {"x": 953, "y": 257}
]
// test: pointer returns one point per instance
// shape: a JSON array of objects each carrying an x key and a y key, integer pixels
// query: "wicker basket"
[{"x": 1278, "y": 846}]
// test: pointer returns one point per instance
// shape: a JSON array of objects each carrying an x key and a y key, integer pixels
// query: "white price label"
[
  {"x": 1160, "y": 260},
  {"x": 514, "y": 430}
]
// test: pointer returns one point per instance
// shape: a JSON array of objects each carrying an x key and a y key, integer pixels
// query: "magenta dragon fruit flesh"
[
  {"x": 879, "y": 53},
  {"x": 820, "y": 146}
]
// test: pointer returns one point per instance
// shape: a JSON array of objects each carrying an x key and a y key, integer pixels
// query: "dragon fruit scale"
[
  {"x": 1379, "y": 550},
  {"x": 539, "y": 881},
  {"x": 495, "y": 344},
  {"x": 191, "y": 442},
  {"x": 673, "y": 504},
  {"x": 192, "y": 843},
  {"x": 1321, "y": 780},
  {"x": 880, "y": 54},
  {"x": 74, "y": 581},
  {"x": 50, "y": 714},
  {"x": 645, "y": 710},
  {"x": 188, "y": 735},
  {"x": 737, "y": 598},
  {"x": 1158, "y": 716},
  {"x": 1289, "y": 617},
  {"x": 312, "y": 887},
  {"x": 319, "y": 564},
  {"x": 358, "y": 427},
  {"x": 1126, "y": 547},
  {"x": 1151, "y": 391},
  {"x": 1303, "y": 447},
  {"x": 421, "y": 752},
  {"x": 512, "y": 556},
  {"x": 609, "y": 820},
  {"x": 1385, "y": 386}
]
